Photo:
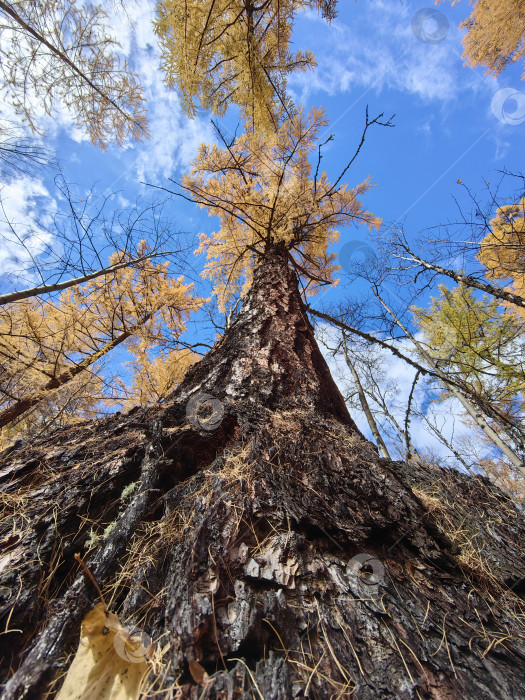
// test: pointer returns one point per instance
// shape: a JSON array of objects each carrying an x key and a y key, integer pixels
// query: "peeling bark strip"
[{"x": 273, "y": 556}]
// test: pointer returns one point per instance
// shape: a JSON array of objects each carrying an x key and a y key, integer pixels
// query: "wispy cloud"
[
  {"x": 386, "y": 54},
  {"x": 26, "y": 215},
  {"x": 174, "y": 138}
]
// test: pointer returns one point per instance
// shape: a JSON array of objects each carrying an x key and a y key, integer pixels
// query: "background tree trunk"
[
  {"x": 364, "y": 403},
  {"x": 264, "y": 538}
]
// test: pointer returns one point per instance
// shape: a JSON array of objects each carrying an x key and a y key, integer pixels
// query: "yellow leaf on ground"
[{"x": 109, "y": 663}]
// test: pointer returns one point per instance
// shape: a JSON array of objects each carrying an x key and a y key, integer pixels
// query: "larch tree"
[
  {"x": 495, "y": 35},
  {"x": 480, "y": 348},
  {"x": 502, "y": 250},
  {"x": 75, "y": 401},
  {"x": 45, "y": 255},
  {"x": 247, "y": 527},
  {"x": 470, "y": 342},
  {"x": 263, "y": 191},
  {"x": 411, "y": 264},
  {"x": 243, "y": 522},
  {"x": 156, "y": 372},
  {"x": 480, "y": 344},
  {"x": 219, "y": 52},
  {"x": 62, "y": 52},
  {"x": 470, "y": 402},
  {"x": 45, "y": 344}
]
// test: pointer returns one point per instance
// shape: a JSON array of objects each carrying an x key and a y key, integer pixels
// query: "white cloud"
[
  {"x": 380, "y": 51},
  {"x": 397, "y": 384},
  {"x": 425, "y": 128},
  {"x": 26, "y": 215},
  {"x": 174, "y": 138}
]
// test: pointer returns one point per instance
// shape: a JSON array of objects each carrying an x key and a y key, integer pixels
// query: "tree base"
[{"x": 291, "y": 563}]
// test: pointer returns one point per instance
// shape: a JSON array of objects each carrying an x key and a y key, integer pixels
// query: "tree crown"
[
  {"x": 262, "y": 190},
  {"x": 234, "y": 51}
]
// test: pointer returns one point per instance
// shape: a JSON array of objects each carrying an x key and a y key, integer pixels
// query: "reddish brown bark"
[{"x": 247, "y": 541}]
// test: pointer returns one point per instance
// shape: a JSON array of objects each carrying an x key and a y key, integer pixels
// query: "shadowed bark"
[{"x": 263, "y": 537}]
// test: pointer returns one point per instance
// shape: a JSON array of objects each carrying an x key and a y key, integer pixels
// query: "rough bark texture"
[{"x": 277, "y": 549}]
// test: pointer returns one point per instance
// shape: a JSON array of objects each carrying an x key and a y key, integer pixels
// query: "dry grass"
[
  {"x": 313, "y": 663},
  {"x": 460, "y": 529},
  {"x": 14, "y": 515},
  {"x": 455, "y": 527}
]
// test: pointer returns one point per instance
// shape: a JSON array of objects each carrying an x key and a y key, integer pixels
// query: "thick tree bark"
[{"x": 266, "y": 540}]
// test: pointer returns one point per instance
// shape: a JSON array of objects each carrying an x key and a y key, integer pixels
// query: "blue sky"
[
  {"x": 445, "y": 128},
  {"x": 452, "y": 122}
]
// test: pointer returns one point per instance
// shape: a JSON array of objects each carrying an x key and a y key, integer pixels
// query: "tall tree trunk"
[
  {"x": 406, "y": 431},
  {"x": 364, "y": 403},
  {"x": 265, "y": 538}
]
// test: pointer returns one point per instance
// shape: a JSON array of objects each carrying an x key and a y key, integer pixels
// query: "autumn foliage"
[
  {"x": 46, "y": 344},
  {"x": 502, "y": 251},
  {"x": 218, "y": 52},
  {"x": 264, "y": 193},
  {"x": 479, "y": 343},
  {"x": 495, "y": 31}
]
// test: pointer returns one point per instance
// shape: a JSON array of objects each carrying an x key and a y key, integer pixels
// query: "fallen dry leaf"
[
  {"x": 198, "y": 673},
  {"x": 98, "y": 671}
]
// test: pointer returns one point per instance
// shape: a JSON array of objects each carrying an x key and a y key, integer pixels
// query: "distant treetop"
[{"x": 218, "y": 52}]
